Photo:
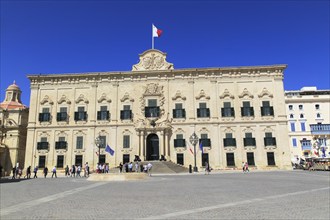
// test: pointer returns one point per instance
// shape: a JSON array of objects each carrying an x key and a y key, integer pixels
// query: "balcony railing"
[
  {"x": 103, "y": 115},
  {"x": 320, "y": 128},
  {"x": 227, "y": 112},
  {"x": 125, "y": 114},
  {"x": 179, "y": 113},
  {"x": 229, "y": 142},
  {"x": 267, "y": 111},
  {"x": 270, "y": 141},
  {"x": 152, "y": 112},
  {"x": 43, "y": 117},
  {"x": 61, "y": 116},
  {"x": 247, "y": 111},
  {"x": 205, "y": 142},
  {"x": 60, "y": 145},
  {"x": 249, "y": 141},
  {"x": 42, "y": 145},
  {"x": 203, "y": 113},
  {"x": 306, "y": 145},
  {"x": 80, "y": 116},
  {"x": 179, "y": 142}
]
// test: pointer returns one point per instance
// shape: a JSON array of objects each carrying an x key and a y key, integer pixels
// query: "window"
[
  {"x": 291, "y": 115},
  {"x": 229, "y": 140},
  {"x": 126, "y": 113},
  {"x": 42, "y": 161},
  {"x": 290, "y": 107},
  {"x": 302, "y": 124},
  {"x": 103, "y": 141},
  {"x": 269, "y": 140},
  {"x": 152, "y": 110},
  {"x": 318, "y": 115},
  {"x": 61, "y": 139},
  {"x": 62, "y": 115},
  {"x": 126, "y": 141},
  {"x": 61, "y": 143},
  {"x": 152, "y": 102},
  {"x": 206, "y": 142},
  {"x": 43, "y": 139},
  {"x": 78, "y": 160},
  {"x": 45, "y": 115},
  {"x": 270, "y": 158},
  {"x": 102, "y": 159},
  {"x": 246, "y": 110},
  {"x": 249, "y": 140},
  {"x": 293, "y": 127},
  {"x": 248, "y": 135},
  {"x": 294, "y": 142},
  {"x": 60, "y": 161},
  {"x": 230, "y": 159},
  {"x": 205, "y": 159},
  {"x": 80, "y": 142},
  {"x": 179, "y": 141},
  {"x": 266, "y": 109},
  {"x": 80, "y": 115},
  {"x": 301, "y": 115},
  {"x": 179, "y": 159},
  {"x": 317, "y": 106},
  {"x": 126, "y": 158},
  {"x": 202, "y": 111},
  {"x": 301, "y": 107},
  {"x": 103, "y": 114},
  {"x": 179, "y": 112},
  {"x": 127, "y": 107},
  {"x": 227, "y": 110},
  {"x": 250, "y": 158}
]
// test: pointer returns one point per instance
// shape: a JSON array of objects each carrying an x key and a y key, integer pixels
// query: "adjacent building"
[
  {"x": 13, "y": 122},
  {"x": 308, "y": 112},
  {"x": 238, "y": 114}
]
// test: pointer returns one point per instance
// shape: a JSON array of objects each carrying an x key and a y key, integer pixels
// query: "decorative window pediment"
[
  {"x": 46, "y": 99},
  {"x": 265, "y": 92},
  {"x": 153, "y": 89},
  {"x": 127, "y": 132},
  {"x": 103, "y": 98},
  {"x": 202, "y": 95},
  {"x": 62, "y": 134},
  {"x": 268, "y": 129},
  {"x": 178, "y": 95},
  {"x": 179, "y": 131},
  {"x": 248, "y": 130},
  {"x": 64, "y": 99},
  {"x": 245, "y": 93},
  {"x": 44, "y": 134},
  {"x": 225, "y": 94},
  {"x": 228, "y": 130},
  {"x": 204, "y": 130},
  {"x": 81, "y": 98},
  {"x": 127, "y": 97}
]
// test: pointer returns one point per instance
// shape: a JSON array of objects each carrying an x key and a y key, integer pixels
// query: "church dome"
[{"x": 13, "y": 87}]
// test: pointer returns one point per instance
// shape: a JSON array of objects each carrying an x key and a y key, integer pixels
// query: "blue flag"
[
  {"x": 201, "y": 146},
  {"x": 109, "y": 150}
]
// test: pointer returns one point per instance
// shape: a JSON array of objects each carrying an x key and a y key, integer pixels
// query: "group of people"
[
  {"x": 245, "y": 167},
  {"x": 102, "y": 168},
  {"x": 75, "y": 170},
  {"x": 137, "y": 167}
]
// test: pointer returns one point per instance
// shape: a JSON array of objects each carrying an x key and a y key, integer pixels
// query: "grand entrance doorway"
[{"x": 152, "y": 147}]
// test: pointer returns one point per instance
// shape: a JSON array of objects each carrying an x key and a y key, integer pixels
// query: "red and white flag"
[
  {"x": 187, "y": 144},
  {"x": 156, "y": 32}
]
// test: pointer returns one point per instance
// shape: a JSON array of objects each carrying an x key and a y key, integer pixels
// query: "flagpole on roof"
[{"x": 152, "y": 36}]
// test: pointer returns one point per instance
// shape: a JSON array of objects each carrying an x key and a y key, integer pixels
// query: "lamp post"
[
  {"x": 98, "y": 143},
  {"x": 193, "y": 140}
]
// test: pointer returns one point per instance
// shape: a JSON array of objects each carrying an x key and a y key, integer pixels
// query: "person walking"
[
  {"x": 120, "y": 167},
  {"x": 86, "y": 170},
  {"x": 149, "y": 166},
  {"x": 247, "y": 167},
  {"x": 45, "y": 171},
  {"x": 73, "y": 171},
  {"x": 78, "y": 170},
  {"x": 54, "y": 172},
  {"x": 67, "y": 171},
  {"x": 207, "y": 168},
  {"x": 136, "y": 166},
  {"x": 35, "y": 171},
  {"x": 14, "y": 173},
  {"x": 28, "y": 172},
  {"x": 243, "y": 166}
]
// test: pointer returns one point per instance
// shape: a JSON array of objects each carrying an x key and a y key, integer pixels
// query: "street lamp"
[
  {"x": 193, "y": 140},
  {"x": 98, "y": 143}
]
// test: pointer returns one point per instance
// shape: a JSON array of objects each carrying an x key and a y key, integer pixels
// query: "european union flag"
[
  {"x": 109, "y": 150},
  {"x": 201, "y": 146}
]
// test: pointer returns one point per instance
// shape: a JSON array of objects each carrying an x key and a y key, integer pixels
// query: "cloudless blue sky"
[{"x": 95, "y": 36}]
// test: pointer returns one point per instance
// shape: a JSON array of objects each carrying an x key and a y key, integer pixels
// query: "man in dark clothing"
[
  {"x": 28, "y": 172},
  {"x": 14, "y": 173},
  {"x": 35, "y": 172},
  {"x": 45, "y": 171}
]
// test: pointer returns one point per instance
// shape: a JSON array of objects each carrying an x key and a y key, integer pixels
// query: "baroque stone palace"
[{"x": 238, "y": 114}]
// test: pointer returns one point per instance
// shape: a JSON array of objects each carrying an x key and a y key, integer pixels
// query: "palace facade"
[{"x": 238, "y": 114}]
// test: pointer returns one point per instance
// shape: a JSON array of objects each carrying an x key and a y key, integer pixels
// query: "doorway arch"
[{"x": 152, "y": 147}]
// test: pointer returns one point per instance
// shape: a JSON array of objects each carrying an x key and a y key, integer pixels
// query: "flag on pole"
[
  {"x": 187, "y": 144},
  {"x": 201, "y": 146},
  {"x": 109, "y": 150},
  {"x": 156, "y": 32}
]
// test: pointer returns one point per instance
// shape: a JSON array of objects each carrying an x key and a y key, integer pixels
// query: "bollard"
[{"x": 190, "y": 168}]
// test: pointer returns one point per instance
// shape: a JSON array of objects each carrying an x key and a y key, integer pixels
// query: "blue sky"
[{"x": 91, "y": 36}]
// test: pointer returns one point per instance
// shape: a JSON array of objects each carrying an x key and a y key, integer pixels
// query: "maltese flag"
[{"x": 156, "y": 32}]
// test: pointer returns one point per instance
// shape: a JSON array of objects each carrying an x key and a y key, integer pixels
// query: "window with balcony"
[
  {"x": 293, "y": 127},
  {"x": 80, "y": 142},
  {"x": 250, "y": 158},
  {"x": 229, "y": 141},
  {"x": 43, "y": 144},
  {"x": 270, "y": 159},
  {"x": 306, "y": 144},
  {"x": 62, "y": 115},
  {"x": 249, "y": 140},
  {"x": 179, "y": 112},
  {"x": 103, "y": 114},
  {"x": 246, "y": 110},
  {"x": 152, "y": 111},
  {"x": 230, "y": 159},
  {"x": 126, "y": 141},
  {"x": 61, "y": 144},
  {"x": 205, "y": 141},
  {"x": 266, "y": 109},
  {"x": 179, "y": 141},
  {"x": 202, "y": 111},
  {"x": 126, "y": 114},
  {"x": 45, "y": 115},
  {"x": 80, "y": 115},
  {"x": 269, "y": 140},
  {"x": 227, "y": 110}
]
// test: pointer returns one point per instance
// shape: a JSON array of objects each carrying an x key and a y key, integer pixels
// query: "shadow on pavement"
[{"x": 9, "y": 180}]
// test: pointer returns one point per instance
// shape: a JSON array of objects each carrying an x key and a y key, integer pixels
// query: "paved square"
[{"x": 223, "y": 195}]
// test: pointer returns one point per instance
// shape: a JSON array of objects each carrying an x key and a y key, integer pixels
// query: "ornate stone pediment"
[
  {"x": 225, "y": 94},
  {"x": 152, "y": 60},
  {"x": 64, "y": 99},
  {"x": 178, "y": 95},
  {"x": 81, "y": 98},
  {"x": 46, "y": 99},
  {"x": 246, "y": 93},
  {"x": 201, "y": 95},
  {"x": 127, "y": 97},
  {"x": 103, "y": 97},
  {"x": 265, "y": 92}
]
